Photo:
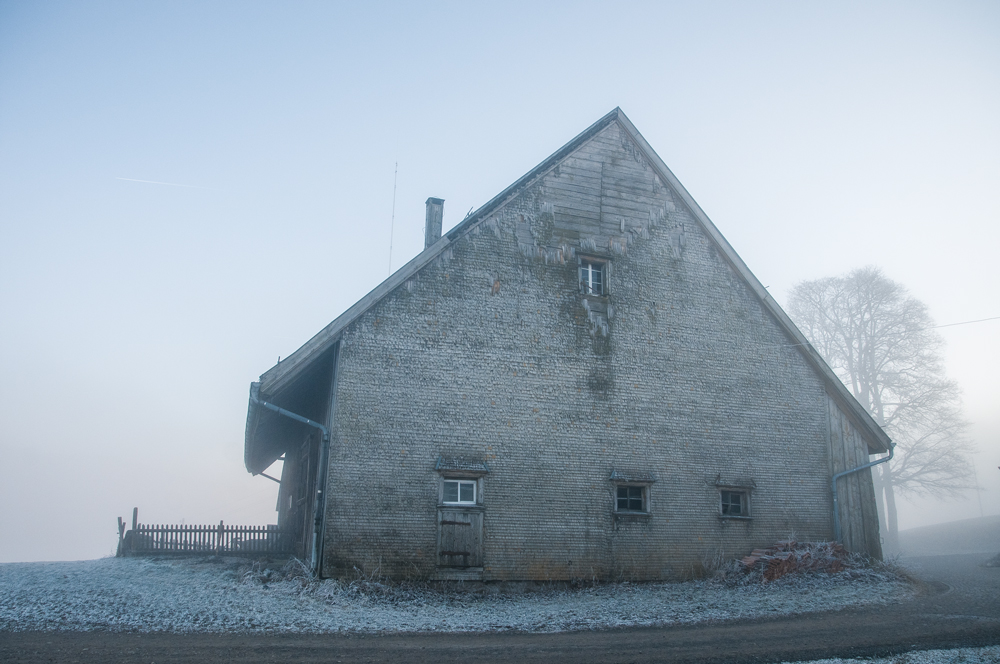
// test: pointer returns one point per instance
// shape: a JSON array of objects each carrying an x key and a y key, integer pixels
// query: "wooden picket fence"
[{"x": 159, "y": 539}]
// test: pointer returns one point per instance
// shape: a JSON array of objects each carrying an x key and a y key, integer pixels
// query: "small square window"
[
  {"x": 735, "y": 503},
  {"x": 459, "y": 492},
  {"x": 631, "y": 499},
  {"x": 593, "y": 276}
]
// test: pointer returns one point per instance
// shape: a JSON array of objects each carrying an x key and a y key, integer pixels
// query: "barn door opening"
[{"x": 460, "y": 529}]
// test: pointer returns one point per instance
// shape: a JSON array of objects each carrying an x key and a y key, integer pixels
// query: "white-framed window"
[
  {"x": 459, "y": 492},
  {"x": 594, "y": 276},
  {"x": 734, "y": 503}
]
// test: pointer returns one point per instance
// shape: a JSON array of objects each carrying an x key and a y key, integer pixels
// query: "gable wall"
[{"x": 489, "y": 353}]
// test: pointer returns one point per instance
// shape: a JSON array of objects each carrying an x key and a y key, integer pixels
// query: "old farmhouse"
[{"x": 582, "y": 379}]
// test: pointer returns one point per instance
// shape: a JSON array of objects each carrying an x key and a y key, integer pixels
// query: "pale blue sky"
[{"x": 818, "y": 138}]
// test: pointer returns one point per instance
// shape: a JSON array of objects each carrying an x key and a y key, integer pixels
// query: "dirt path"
[{"x": 960, "y": 606}]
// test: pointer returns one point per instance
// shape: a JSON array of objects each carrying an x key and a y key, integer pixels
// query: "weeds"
[
  {"x": 261, "y": 573},
  {"x": 811, "y": 564}
]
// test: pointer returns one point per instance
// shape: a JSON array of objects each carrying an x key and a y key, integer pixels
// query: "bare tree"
[{"x": 880, "y": 342}]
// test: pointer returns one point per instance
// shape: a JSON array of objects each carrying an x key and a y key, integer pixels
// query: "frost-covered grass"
[
  {"x": 147, "y": 595},
  {"x": 987, "y": 655}
]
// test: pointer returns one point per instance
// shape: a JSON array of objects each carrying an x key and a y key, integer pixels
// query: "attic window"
[{"x": 594, "y": 276}]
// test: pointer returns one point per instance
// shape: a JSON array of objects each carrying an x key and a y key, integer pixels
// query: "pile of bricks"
[{"x": 789, "y": 556}]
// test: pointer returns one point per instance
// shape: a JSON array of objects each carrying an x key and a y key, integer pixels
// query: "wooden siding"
[
  {"x": 859, "y": 524},
  {"x": 493, "y": 353}
]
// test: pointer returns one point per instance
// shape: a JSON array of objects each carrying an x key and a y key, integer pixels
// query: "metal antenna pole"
[{"x": 392, "y": 222}]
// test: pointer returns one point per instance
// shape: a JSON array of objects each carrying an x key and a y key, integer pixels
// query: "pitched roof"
[{"x": 286, "y": 371}]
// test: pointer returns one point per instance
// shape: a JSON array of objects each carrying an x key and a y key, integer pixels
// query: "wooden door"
[
  {"x": 305, "y": 492},
  {"x": 460, "y": 537}
]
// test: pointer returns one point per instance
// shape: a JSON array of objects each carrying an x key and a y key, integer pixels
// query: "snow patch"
[{"x": 222, "y": 595}]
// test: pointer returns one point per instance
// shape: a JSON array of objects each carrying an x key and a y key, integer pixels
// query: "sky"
[{"x": 190, "y": 190}]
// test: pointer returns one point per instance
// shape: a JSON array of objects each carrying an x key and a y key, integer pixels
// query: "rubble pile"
[{"x": 789, "y": 556}]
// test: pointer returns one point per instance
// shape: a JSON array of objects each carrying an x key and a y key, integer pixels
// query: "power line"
[
  {"x": 965, "y": 322},
  {"x": 933, "y": 327}
]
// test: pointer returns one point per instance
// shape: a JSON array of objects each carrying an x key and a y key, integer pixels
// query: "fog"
[{"x": 188, "y": 192}]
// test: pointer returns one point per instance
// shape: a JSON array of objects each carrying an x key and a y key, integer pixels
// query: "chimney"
[{"x": 432, "y": 226}]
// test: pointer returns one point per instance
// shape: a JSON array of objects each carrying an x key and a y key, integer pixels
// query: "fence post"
[
  {"x": 135, "y": 517},
  {"x": 218, "y": 541},
  {"x": 121, "y": 536}
]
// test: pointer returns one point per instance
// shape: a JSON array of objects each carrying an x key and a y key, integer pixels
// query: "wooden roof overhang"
[
  {"x": 268, "y": 435},
  {"x": 287, "y": 372}
]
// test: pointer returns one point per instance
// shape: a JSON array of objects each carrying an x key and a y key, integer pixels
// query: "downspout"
[
  {"x": 833, "y": 482},
  {"x": 323, "y": 472},
  {"x": 323, "y": 457}
]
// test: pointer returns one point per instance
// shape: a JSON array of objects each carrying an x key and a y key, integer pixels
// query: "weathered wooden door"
[
  {"x": 304, "y": 494},
  {"x": 460, "y": 537}
]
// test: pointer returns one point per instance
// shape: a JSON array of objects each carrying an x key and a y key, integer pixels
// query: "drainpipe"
[
  {"x": 323, "y": 459},
  {"x": 833, "y": 482}
]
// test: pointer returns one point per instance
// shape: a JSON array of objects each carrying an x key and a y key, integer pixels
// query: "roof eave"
[
  {"x": 249, "y": 434},
  {"x": 282, "y": 373}
]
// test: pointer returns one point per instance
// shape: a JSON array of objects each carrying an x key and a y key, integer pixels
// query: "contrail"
[{"x": 171, "y": 184}]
